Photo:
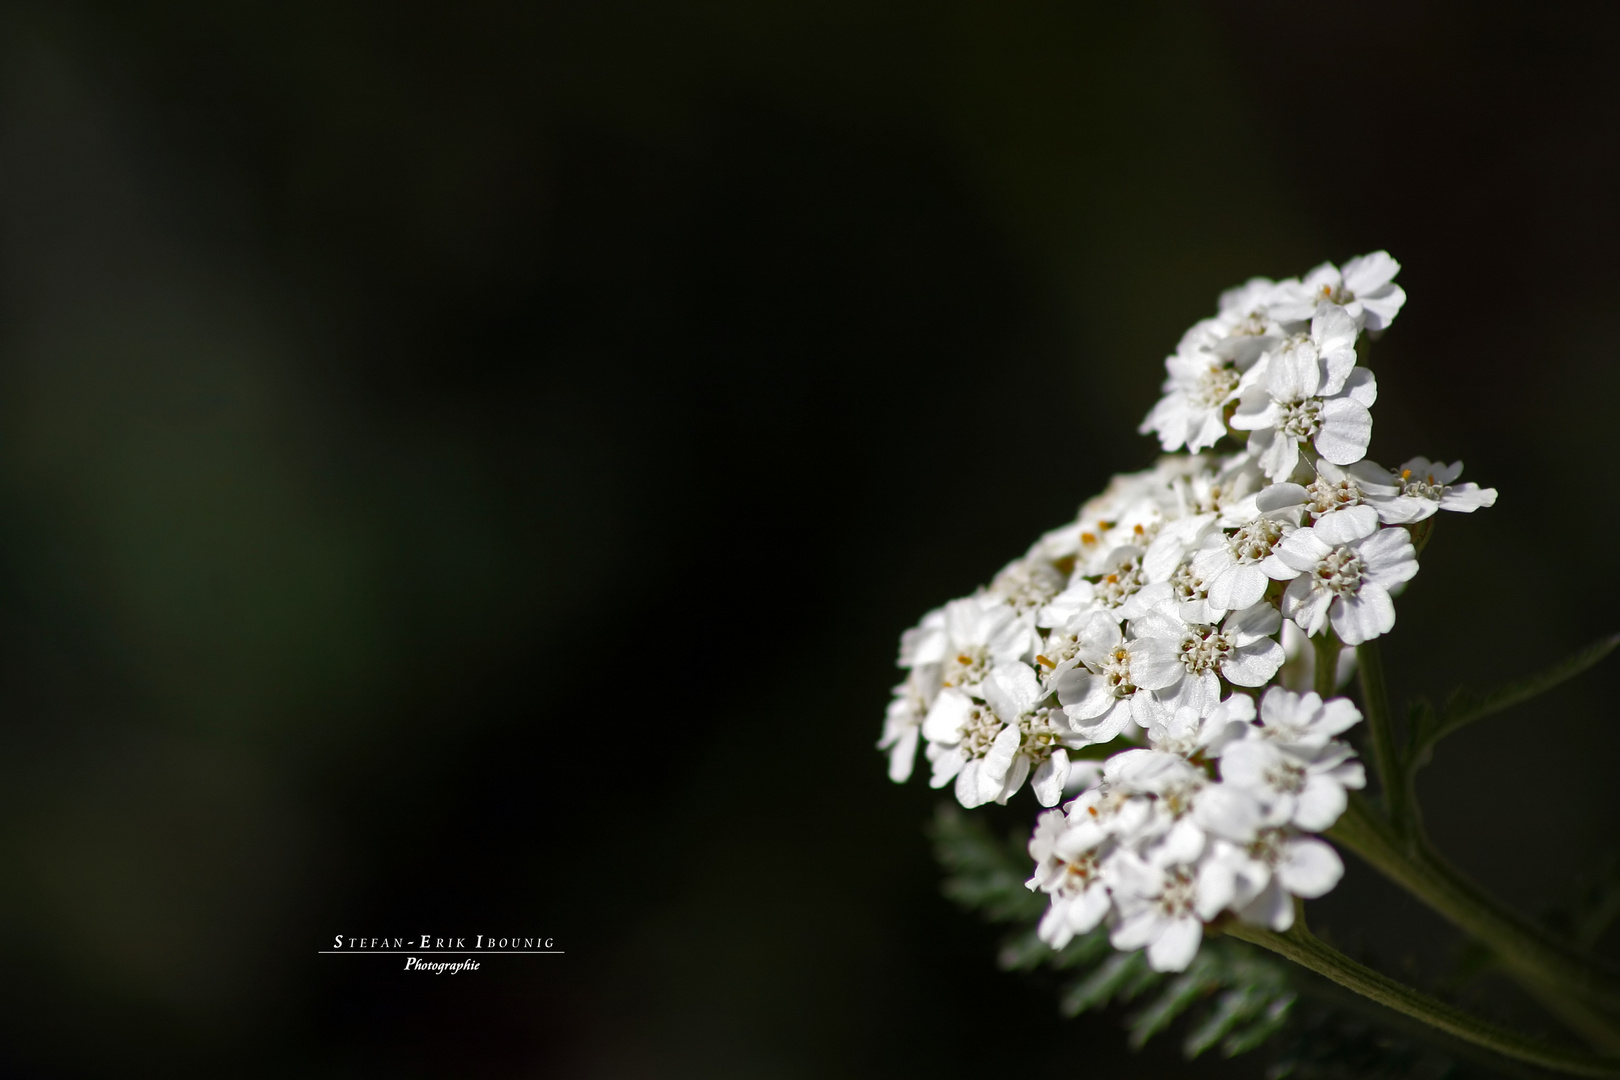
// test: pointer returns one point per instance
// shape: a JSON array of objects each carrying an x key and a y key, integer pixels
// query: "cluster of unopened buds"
[{"x": 1180, "y": 617}]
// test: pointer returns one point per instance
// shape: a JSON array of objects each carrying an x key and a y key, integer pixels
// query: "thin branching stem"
[
  {"x": 1300, "y": 946},
  {"x": 1569, "y": 984},
  {"x": 1381, "y": 734},
  {"x": 1326, "y": 670}
]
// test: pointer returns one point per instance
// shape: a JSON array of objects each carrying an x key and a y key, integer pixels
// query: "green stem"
[
  {"x": 1326, "y": 670},
  {"x": 1300, "y": 946},
  {"x": 1566, "y": 982},
  {"x": 1381, "y": 734}
]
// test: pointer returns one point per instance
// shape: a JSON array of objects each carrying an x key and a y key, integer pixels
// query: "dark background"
[{"x": 464, "y": 469}]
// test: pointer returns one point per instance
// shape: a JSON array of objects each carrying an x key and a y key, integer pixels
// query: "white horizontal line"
[{"x": 419, "y": 952}]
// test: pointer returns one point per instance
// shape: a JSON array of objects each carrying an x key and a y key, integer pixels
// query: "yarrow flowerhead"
[{"x": 1179, "y": 617}]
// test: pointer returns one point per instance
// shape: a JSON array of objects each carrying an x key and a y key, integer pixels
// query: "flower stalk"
[
  {"x": 1381, "y": 737},
  {"x": 1299, "y": 945},
  {"x": 1567, "y": 983}
]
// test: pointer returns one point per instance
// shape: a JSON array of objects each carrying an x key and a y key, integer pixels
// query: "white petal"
[
  {"x": 903, "y": 756},
  {"x": 947, "y": 767},
  {"x": 1084, "y": 696},
  {"x": 1310, "y": 869},
  {"x": 1319, "y": 805},
  {"x": 998, "y": 760},
  {"x": 1367, "y": 273},
  {"x": 1278, "y": 496},
  {"x": 1338, "y": 715},
  {"x": 1217, "y": 887},
  {"x": 1368, "y": 614},
  {"x": 1254, "y": 664},
  {"x": 1012, "y": 690},
  {"x": 1136, "y": 931},
  {"x": 1156, "y": 662},
  {"x": 1467, "y": 498},
  {"x": 1087, "y": 910},
  {"x": 1209, "y": 431},
  {"x": 1277, "y": 570},
  {"x": 1256, "y": 410},
  {"x": 1050, "y": 778},
  {"x": 1351, "y": 774},
  {"x": 1276, "y": 453},
  {"x": 1334, "y": 331},
  {"x": 1175, "y": 948},
  {"x": 967, "y": 785},
  {"x": 1346, "y": 431},
  {"x": 1198, "y": 692},
  {"x": 1228, "y": 811},
  {"x": 1295, "y": 373},
  {"x": 1255, "y": 621},
  {"x": 946, "y": 716},
  {"x": 1237, "y": 587},
  {"x": 1273, "y": 908},
  {"x": 1302, "y": 549},
  {"x": 1306, "y": 605},
  {"x": 1016, "y": 775},
  {"x": 1404, "y": 509},
  {"x": 1381, "y": 307},
  {"x": 1389, "y": 557},
  {"x": 1106, "y": 726},
  {"x": 1362, "y": 387},
  {"x": 1141, "y": 770},
  {"x": 1347, "y": 525},
  {"x": 1054, "y": 926},
  {"x": 1244, "y": 764},
  {"x": 1184, "y": 843}
]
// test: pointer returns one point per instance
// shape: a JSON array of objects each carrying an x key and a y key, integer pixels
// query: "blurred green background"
[{"x": 466, "y": 467}]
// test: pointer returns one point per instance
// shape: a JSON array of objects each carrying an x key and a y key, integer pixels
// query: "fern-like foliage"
[
  {"x": 1239, "y": 997},
  {"x": 1234, "y": 997}
]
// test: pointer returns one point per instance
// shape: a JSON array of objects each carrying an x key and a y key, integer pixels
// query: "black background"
[{"x": 464, "y": 469}]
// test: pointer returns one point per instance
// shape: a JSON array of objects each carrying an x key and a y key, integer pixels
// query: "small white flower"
[
  {"x": 1338, "y": 508},
  {"x": 1353, "y": 580},
  {"x": 1305, "y": 788},
  {"x": 1064, "y": 645},
  {"x": 1068, "y": 868},
  {"x": 1186, "y": 733},
  {"x": 1175, "y": 542},
  {"x": 1232, "y": 570},
  {"x": 1098, "y": 691},
  {"x": 1106, "y": 810},
  {"x": 1304, "y": 721},
  {"x": 980, "y": 632},
  {"x": 1365, "y": 287},
  {"x": 903, "y": 722},
  {"x": 1118, "y": 578},
  {"x": 1245, "y": 322},
  {"x": 1309, "y": 390},
  {"x": 1184, "y": 663},
  {"x": 1419, "y": 488},
  {"x": 960, "y": 733},
  {"x": 1192, "y": 412},
  {"x": 1110, "y": 544},
  {"x": 1273, "y": 868},
  {"x": 1176, "y": 784},
  {"x": 926, "y": 642},
  {"x": 989, "y": 748},
  {"x": 1027, "y": 585},
  {"x": 1015, "y": 694},
  {"x": 1163, "y": 907}
]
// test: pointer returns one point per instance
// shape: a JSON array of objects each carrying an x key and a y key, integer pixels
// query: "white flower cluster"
[{"x": 1162, "y": 612}]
